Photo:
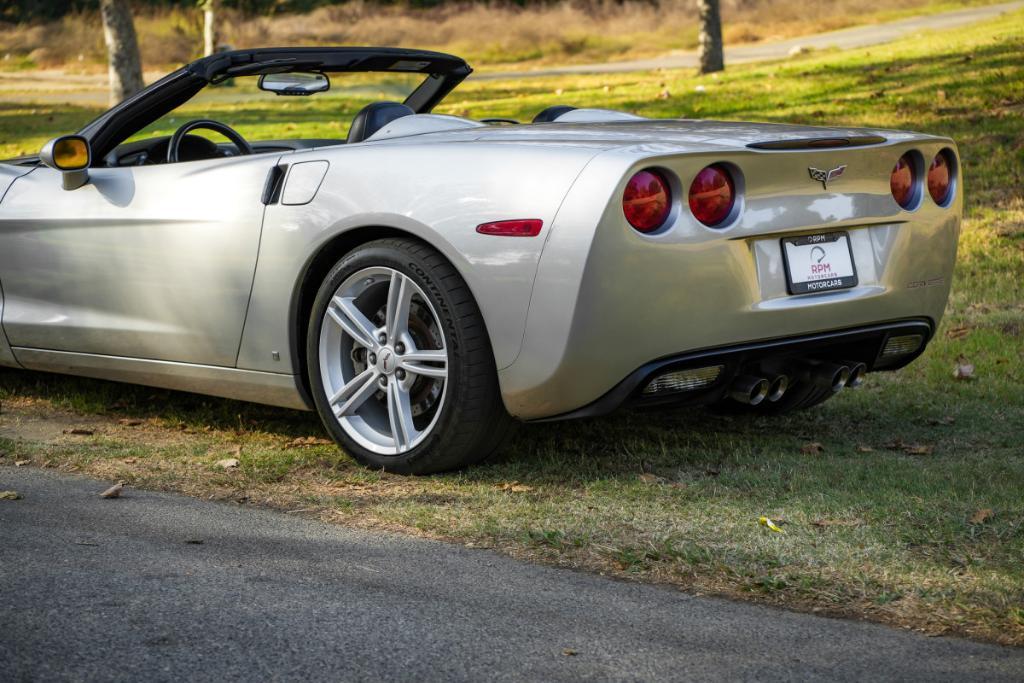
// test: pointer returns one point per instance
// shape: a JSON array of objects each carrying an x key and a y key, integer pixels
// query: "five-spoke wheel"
[{"x": 399, "y": 361}]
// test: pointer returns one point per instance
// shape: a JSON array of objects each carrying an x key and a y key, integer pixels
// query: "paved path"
[
  {"x": 94, "y": 589},
  {"x": 845, "y": 39}
]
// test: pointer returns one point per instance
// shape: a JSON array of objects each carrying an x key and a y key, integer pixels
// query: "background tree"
[
  {"x": 209, "y": 8},
  {"x": 122, "y": 49},
  {"x": 711, "y": 52}
]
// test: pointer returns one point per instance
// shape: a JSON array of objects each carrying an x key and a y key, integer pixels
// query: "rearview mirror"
[
  {"x": 71, "y": 155},
  {"x": 295, "y": 83}
]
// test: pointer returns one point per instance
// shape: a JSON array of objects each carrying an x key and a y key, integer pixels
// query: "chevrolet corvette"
[{"x": 428, "y": 281}]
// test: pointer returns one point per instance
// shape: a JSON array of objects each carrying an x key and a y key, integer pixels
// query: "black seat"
[
  {"x": 373, "y": 117},
  {"x": 552, "y": 113}
]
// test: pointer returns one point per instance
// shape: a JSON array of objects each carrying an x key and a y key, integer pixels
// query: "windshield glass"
[{"x": 261, "y": 115}]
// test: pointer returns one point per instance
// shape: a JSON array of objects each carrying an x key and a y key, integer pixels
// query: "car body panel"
[
  {"x": 149, "y": 262},
  {"x": 438, "y": 193}
]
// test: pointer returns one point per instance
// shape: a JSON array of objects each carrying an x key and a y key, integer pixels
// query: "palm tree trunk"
[
  {"x": 122, "y": 49},
  {"x": 711, "y": 53}
]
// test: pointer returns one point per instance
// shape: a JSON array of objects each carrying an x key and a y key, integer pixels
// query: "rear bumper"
[
  {"x": 608, "y": 300},
  {"x": 863, "y": 344}
]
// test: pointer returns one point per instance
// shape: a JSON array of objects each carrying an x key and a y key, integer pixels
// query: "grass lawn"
[{"x": 911, "y": 512}]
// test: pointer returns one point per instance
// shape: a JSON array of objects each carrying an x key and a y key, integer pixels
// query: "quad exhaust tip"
[
  {"x": 749, "y": 390},
  {"x": 777, "y": 388},
  {"x": 830, "y": 376},
  {"x": 857, "y": 372}
]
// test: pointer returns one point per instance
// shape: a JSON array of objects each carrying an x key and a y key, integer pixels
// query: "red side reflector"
[{"x": 526, "y": 227}]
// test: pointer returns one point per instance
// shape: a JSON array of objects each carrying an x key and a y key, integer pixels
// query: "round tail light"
[
  {"x": 901, "y": 182},
  {"x": 939, "y": 176},
  {"x": 647, "y": 200},
  {"x": 712, "y": 195}
]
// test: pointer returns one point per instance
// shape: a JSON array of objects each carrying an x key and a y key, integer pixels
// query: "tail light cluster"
[
  {"x": 906, "y": 185},
  {"x": 647, "y": 200}
]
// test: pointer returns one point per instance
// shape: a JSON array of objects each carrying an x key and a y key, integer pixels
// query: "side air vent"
[
  {"x": 819, "y": 143},
  {"x": 272, "y": 188}
]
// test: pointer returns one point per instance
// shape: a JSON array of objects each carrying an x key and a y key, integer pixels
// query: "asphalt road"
[
  {"x": 844, "y": 39},
  {"x": 94, "y": 589}
]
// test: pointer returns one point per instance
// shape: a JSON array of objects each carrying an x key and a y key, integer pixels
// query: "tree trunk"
[
  {"x": 122, "y": 49},
  {"x": 209, "y": 27},
  {"x": 711, "y": 56}
]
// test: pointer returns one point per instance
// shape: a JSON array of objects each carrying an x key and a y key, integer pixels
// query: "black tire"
[{"x": 473, "y": 423}]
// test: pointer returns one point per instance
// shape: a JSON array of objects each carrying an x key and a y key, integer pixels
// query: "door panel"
[{"x": 147, "y": 262}]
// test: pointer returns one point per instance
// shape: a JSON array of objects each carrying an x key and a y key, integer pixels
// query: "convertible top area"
[{"x": 442, "y": 73}]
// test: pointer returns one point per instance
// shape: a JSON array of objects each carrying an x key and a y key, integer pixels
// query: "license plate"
[{"x": 818, "y": 263}]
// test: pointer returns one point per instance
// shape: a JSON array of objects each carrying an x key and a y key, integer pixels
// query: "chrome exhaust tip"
[
  {"x": 777, "y": 388},
  {"x": 857, "y": 372},
  {"x": 830, "y": 376},
  {"x": 749, "y": 390}
]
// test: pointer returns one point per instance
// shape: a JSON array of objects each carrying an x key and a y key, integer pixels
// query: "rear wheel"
[{"x": 400, "y": 363}]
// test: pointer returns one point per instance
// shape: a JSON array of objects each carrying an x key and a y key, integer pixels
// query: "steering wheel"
[{"x": 227, "y": 131}]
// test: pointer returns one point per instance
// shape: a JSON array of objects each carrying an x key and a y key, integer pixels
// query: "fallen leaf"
[
  {"x": 981, "y": 516},
  {"x": 765, "y": 522},
  {"x": 228, "y": 463},
  {"x": 9, "y": 495},
  {"x": 837, "y": 522},
  {"x": 918, "y": 449},
  {"x": 812, "y": 448},
  {"x": 130, "y": 461},
  {"x": 664, "y": 94},
  {"x": 77, "y": 431},
  {"x": 114, "y": 491},
  {"x": 649, "y": 478},
  {"x": 569, "y": 652},
  {"x": 964, "y": 370},
  {"x": 21, "y": 463},
  {"x": 517, "y": 488},
  {"x": 865, "y": 449},
  {"x": 958, "y": 332},
  {"x": 302, "y": 441},
  {"x": 130, "y": 422}
]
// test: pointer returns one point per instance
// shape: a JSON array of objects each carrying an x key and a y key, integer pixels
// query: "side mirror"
[
  {"x": 71, "y": 155},
  {"x": 295, "y": 83}
]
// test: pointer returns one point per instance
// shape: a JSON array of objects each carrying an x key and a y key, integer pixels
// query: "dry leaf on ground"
[
  {"x": 130, "y": 422},
  {"x": 516, "y": 487},
  {"x": 918, "y": 449},
  {"x": 228, "y": 463},
  {"x": 981, "y": 516},
  {"x": 77, "y": 431},
  {"x": 21, "y": 463},
  {"x": 812, "y": 448},
  {"x": 569, "y": 652},
  {"x": 9, "y": 495},
  {"x": 302, "y": 441},
  {"x": 649, "y": 478},
  {"x": 865, "y": 449},
  {"x": 114, "y": 491},
  {"x": 964, "y": 369}
]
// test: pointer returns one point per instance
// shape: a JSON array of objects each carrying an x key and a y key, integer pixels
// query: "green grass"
[{"x": 675, "y": 496}]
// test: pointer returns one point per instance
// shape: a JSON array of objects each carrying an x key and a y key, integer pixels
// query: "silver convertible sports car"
[{"x": 431, "y": 280}]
